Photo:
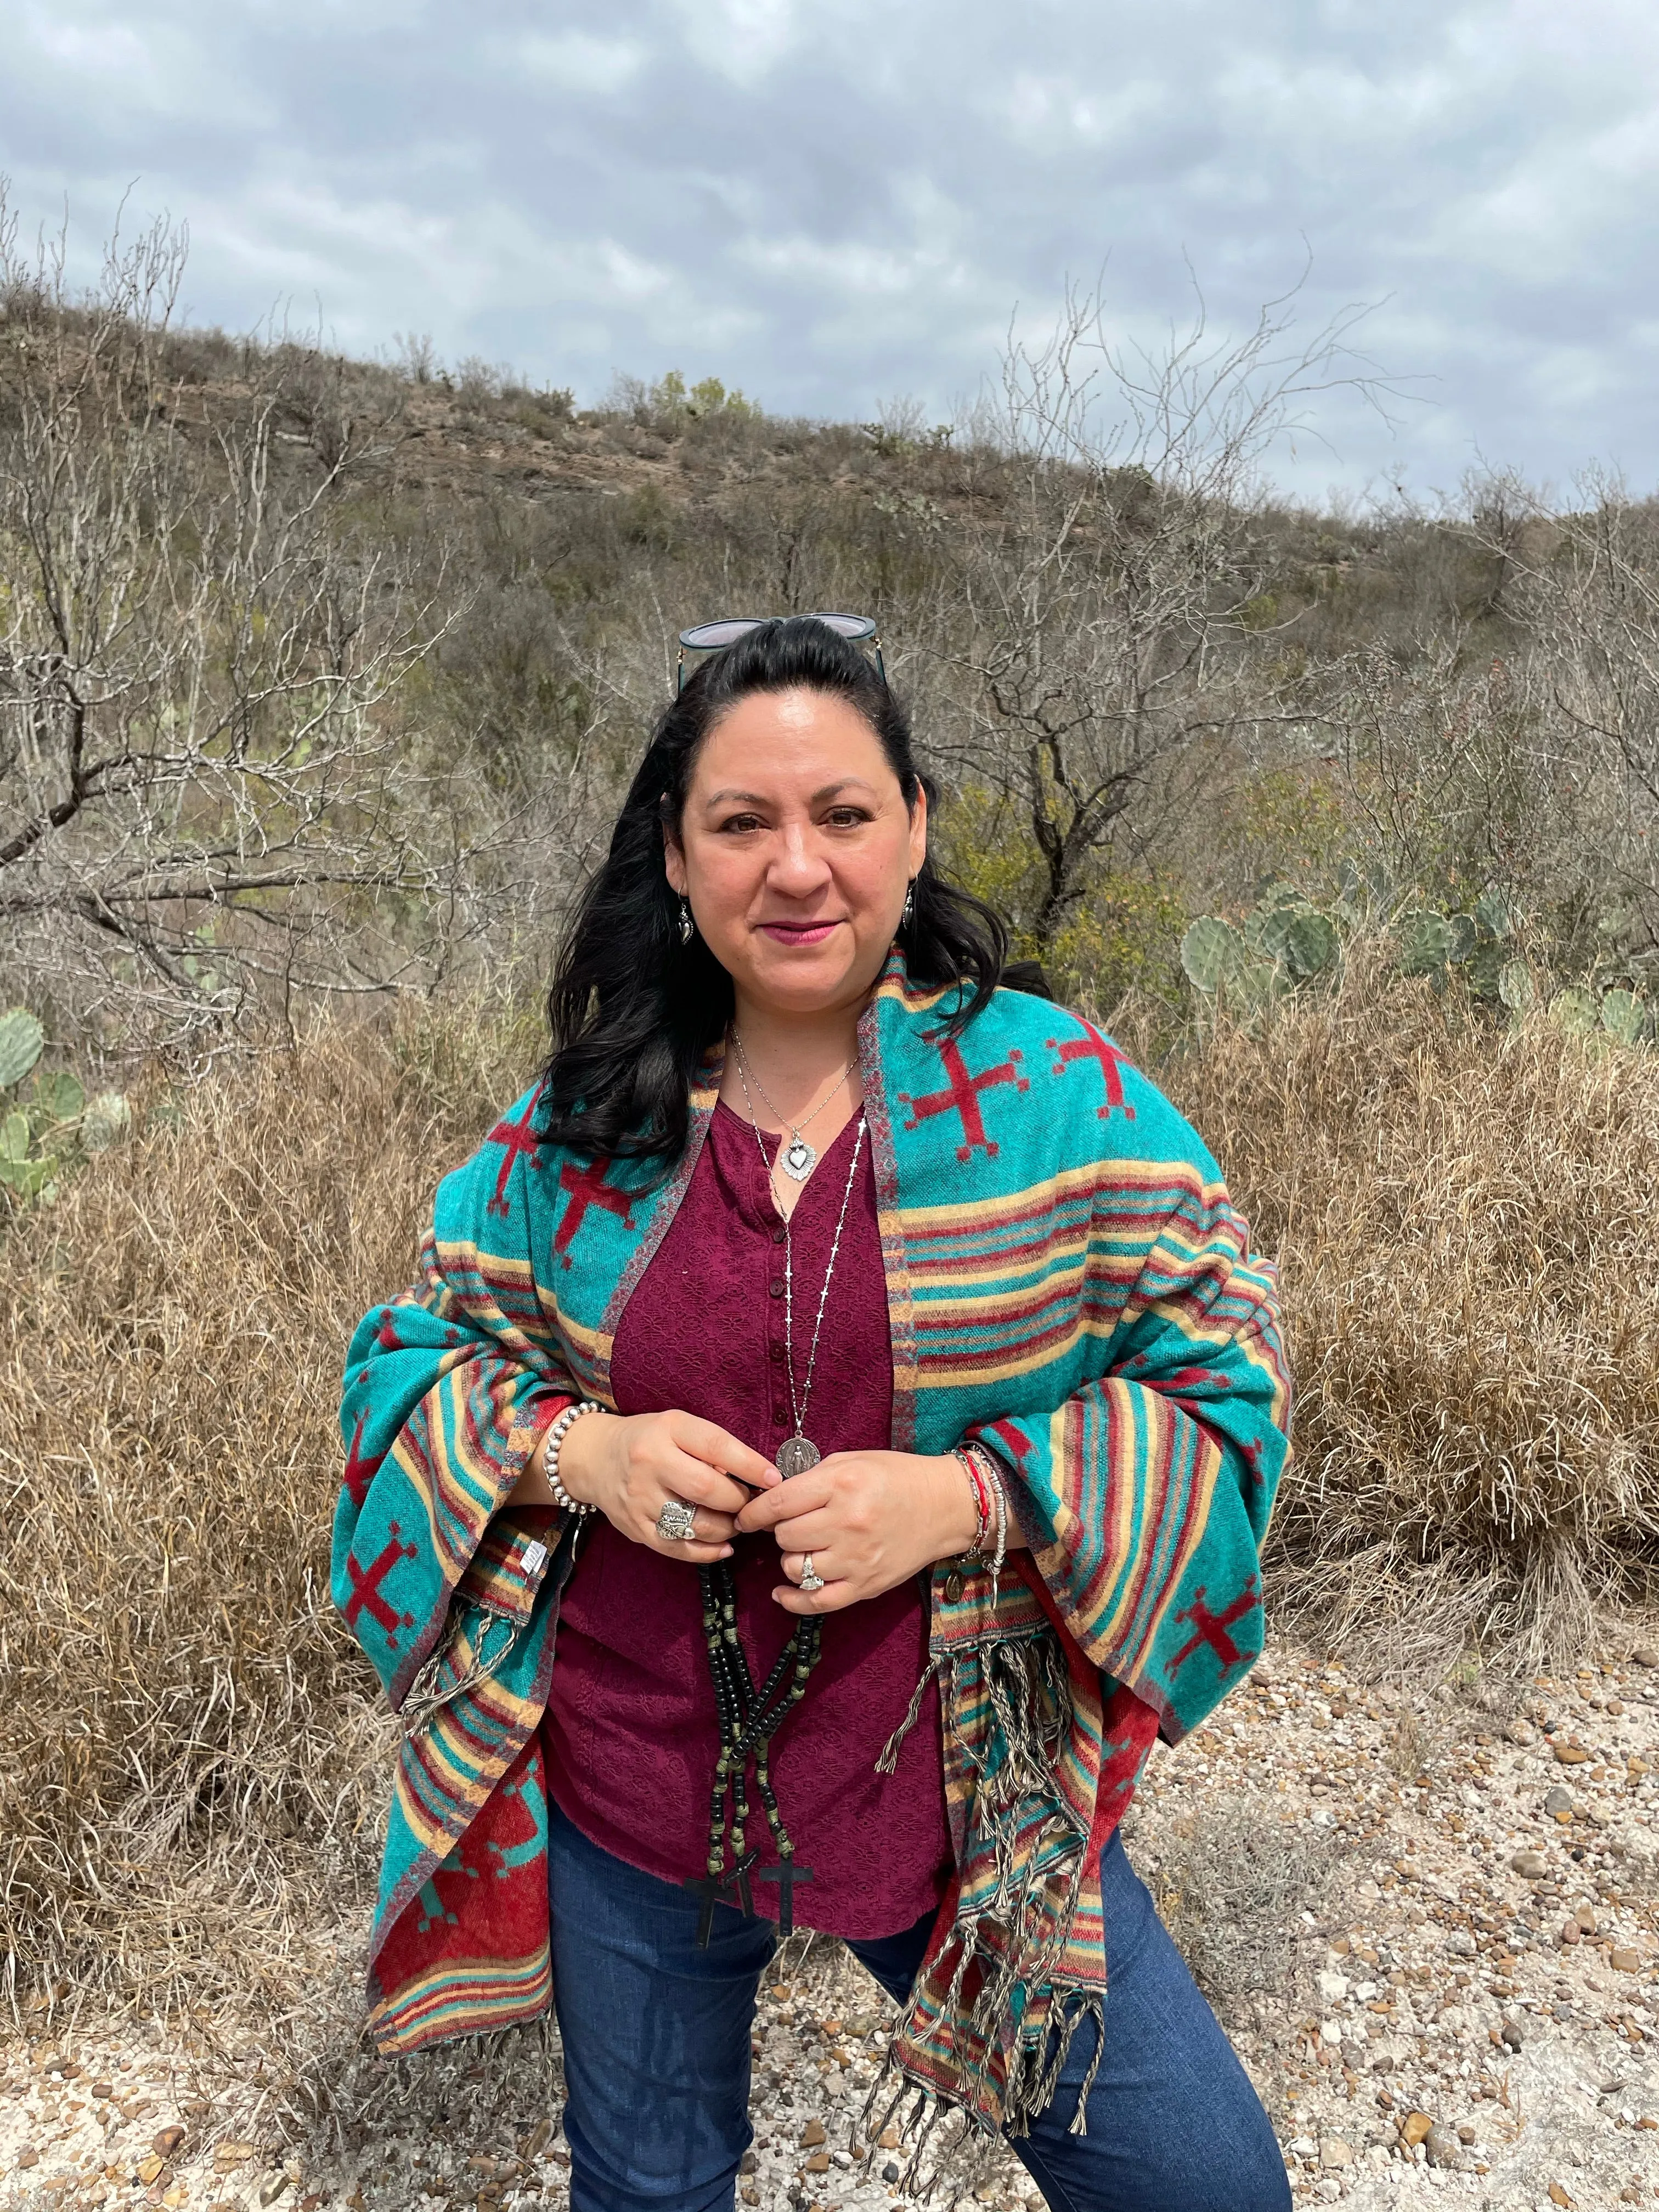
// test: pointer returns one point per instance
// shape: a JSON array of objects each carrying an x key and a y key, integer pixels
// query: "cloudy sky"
[{"x": 832, "y": 202}]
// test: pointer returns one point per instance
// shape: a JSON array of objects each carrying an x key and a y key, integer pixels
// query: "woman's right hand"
[{"x": 629, "y": 1465}]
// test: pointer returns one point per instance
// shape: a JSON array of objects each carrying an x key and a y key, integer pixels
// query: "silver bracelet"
[
  {"x": 556, "y": 1437},
  {"x": 989, "y": 1467}
]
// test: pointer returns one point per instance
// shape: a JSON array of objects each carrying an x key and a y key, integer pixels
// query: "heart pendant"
[
  {"x": 795, "y": 1455},
  {"x": 798, "y": 1159}
]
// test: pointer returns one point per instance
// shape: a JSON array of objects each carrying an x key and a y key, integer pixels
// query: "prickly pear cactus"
[
  {"x": 1576, "y": 1010},
  {"x": 1312, "y": 947},
  {"x": 1212, "y": 953},
  {"x": 1623, "y": 1016},
  {"x": 1427, "y": 940},
  {"x": 57, "y": 1098},
  {"x": 21, "y": 1040},
  {"x": 106, "y": 1119},
  {"x": 1517, "y": 987},
  {"x": 1495, "y": 912}
]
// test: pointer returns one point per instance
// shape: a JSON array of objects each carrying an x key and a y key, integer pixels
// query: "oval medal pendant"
[
  {"x": 798, "y": 1159},
  {"x": 795, "y": 1455}
]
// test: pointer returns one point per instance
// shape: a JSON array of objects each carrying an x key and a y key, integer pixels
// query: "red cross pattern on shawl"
[
  {"x": 1212, "y": 1628},
  {"x": 360, "y": 1471},
  {"x": 587, "y": 1186},
  {"x": 1110, "y": 1059},
  {"x": 516, "y": 1137},
  {"x": 962, "y": 1096},
  {"x": 366, "y": 1592}
]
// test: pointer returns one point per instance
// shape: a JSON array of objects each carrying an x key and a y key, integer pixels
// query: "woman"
[{"x": 829, "y": 1437}]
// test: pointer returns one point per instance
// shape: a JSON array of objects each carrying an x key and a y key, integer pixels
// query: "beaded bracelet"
[
  {"x": 981, "y": 1497},
  {"x": 556, "y": 1437},
  {"x": 987, "y": 1478}
]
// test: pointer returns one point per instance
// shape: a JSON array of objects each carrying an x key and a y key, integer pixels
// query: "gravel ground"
[{"x": 1429, "y": 1920}]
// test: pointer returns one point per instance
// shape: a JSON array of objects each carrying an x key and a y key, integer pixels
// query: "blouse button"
[
  {"x": 778, "y": 1235},
  {"x": 777, "y": 1290},
  {"x": 954, "y": 1587},
  {"x": 777, "y": 1351}
]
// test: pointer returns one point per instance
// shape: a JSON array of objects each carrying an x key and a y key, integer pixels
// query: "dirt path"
[{"x": 1443, "y": 1977}]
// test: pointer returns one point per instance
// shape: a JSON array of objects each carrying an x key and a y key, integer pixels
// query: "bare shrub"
[
  {"x": 205, "y": 802},
  {"x": 1232, "y": 1885},
  {"x": 1464, "y": 1221},
  {"x": 193, "y": 1756}
]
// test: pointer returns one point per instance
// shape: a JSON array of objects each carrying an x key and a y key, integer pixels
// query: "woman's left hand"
[{"x": 870, "y": 1521}]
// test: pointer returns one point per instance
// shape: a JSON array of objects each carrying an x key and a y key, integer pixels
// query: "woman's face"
[{"x": 795, "y": 850}]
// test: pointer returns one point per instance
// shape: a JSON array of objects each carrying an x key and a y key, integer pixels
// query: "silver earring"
[
  {"x": 687, "y": 926},
  {"x": 908, "y": 914}
]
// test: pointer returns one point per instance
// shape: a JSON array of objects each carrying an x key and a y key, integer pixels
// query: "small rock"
[
  {"x": 147, "y": 2168},
  {"x": 832, "y": 2027},
  {"x": 272, "y": 2187},
  {"x": 1414, "y": 2129},
  {"x": 1510, "y": 2032},
  {"x": 29, "y": 2157},
  {"x": 749, "y": 2163},
  {"x": 1520, "y": 1732},
  {"x": 1570, "y": 1754},
  {"x": 1333, "y": 1987},
  {"x": 891, "y": 2137},
  {"x": 1558, "y": 1803},
  {"x": 811, "y": 2133},
  {"x": 1466, "y": 2135},
  {"x": 1571, "y": 1931},
  {"x": 228, "y": 2154},
  {"x": 1532, "y": 1864},
  {"x": 1586, "y": 1920},
  {"x": 1624, "y": 1960},
  {"x": 1645, "y": 1655},
  {"x": 1335, "y": 2151},
  {"x": 1460, "y": 1944},
  {"x": 103, "y": 2088},
  {"x": 1441, "y": 2148},
  {"x": 1558, "y": 2195},
  {"x": 819, "y": 2162},
  {"x": 167, "y": 2140},
  {"x": 1382, "y": 2063},
  {"x": 889, "y": 2173}
]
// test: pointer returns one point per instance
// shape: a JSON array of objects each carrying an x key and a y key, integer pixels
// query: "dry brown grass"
[
  {"x": 193, "y": 1759},
  {"x": 1465, "y": 1223},
  {"x": 191, "y": 1752}
]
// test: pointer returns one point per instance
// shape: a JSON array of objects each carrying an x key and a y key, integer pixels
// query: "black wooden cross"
[
  {"x": 714, "y": 1889},
  {"x": 785, "y": 1874}
]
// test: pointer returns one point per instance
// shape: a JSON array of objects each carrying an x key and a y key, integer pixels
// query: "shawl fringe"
[
  {"x": 995, "y": 2058},
  {"x": 427, "y": 1693}
]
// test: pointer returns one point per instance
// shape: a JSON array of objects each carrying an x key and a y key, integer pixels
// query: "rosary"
[{"x": 750, "y": 1718}]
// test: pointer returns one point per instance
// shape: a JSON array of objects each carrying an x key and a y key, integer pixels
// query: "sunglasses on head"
[{"x": 714, "y": 636}]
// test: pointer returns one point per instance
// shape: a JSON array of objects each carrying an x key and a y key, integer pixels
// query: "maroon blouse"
[{"x": 631, "y": 1735}]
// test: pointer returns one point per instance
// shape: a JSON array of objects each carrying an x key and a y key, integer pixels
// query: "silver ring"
[
  {"x": 810, "y": 1577},
  {"x": 678, "y": 1521}
]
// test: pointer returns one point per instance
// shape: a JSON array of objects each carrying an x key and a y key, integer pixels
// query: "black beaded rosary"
[{"x": 749, "y": 1719}]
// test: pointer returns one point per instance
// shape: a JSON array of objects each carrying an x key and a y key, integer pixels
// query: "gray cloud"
[{"x": 828, "y": 202}]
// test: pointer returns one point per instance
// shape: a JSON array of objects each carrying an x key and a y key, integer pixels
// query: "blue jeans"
[{"x": 657, "y": 2055}]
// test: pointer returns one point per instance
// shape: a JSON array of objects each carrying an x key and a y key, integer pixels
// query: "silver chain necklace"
[
  {"x": 797, "y": 1157},
  {"x": 798, "y": 1452}
]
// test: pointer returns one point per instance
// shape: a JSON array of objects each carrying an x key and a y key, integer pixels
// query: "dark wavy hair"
[{"x": 632, "y": 1010}]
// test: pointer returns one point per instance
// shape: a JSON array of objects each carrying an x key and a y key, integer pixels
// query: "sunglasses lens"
[
  {"x": 851, "y": 627},
  {"x": 709, "y": 637}
]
